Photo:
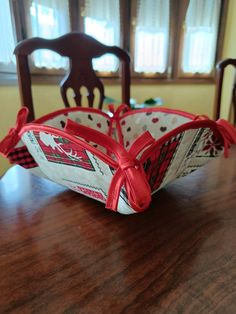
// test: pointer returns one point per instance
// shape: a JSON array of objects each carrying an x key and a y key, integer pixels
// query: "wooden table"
[{"x": 62, "y": 252}]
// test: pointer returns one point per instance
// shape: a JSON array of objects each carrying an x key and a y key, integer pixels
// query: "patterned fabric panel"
[
  {"x": 158, "y": 162},
  {"x": 181, "y": 155},
  {"x": 211, "y": 146},
  {"x": 157, "y": 123},
  {"x": 204, "y": 147},
  {"x": 22, "y": 157},
  {"x": 61, "y": 151},
  {"x": 92, "y": 120},
  {"x": 74, "y": 167},
  {"x": 90, "y": 191}
]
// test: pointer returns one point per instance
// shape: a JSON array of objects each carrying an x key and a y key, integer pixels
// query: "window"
[
  {"x": 200, "y": 36},
  {"x": 7, "y": 59},
  {"x": 107, "y": 26},
  {"x": 48, "y": 19},
  {"x": 151, "y": 36},
  {"x": 176, "y": 40},
  {"x": 167, "y": 39}
]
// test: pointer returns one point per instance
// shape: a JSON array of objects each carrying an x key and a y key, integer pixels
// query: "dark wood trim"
[
  {"x": 221, "y": 31},
  {"x": 74, "y": 15},
  {"x": 172, "y": 31},
  {"x": 182, "y": 10},
  {"x": 16, "y": 20},
  {"x": 176, "y": 25},
  {"x": 24, "y": 81},
  {"x": 18, "y": 11},
  {"x": 125, "y": 24},
  {"x": 173, "y": 81},
  {"x": 133, "y": 18},
  {"x": 55, "y": 79},
  {"x": 81, "y": 15},
  {"x": 220, "y": 69},
  {"x": 150, "y": 76},
  {"x": 8, "y": 79},
  {"x": 190, "y": 75}
]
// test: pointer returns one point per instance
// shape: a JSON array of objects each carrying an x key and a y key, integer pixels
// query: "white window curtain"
[
  {"x": 152, "y": 36},
  {"x": 6, "y": 34},
  {"x": 201, "y": 28},
  {"x": 102, "y": 21},
  {"x": 48, "y": 19}
]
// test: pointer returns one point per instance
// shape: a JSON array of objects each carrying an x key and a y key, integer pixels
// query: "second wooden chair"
[{"x": 220, "y": 70}]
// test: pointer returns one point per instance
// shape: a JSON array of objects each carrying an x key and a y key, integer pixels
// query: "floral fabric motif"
[{"x": 212, "y": 146}]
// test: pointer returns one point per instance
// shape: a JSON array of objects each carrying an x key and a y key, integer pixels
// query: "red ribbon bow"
[
  {"x": 117, "y": 111},
  {"x": 129, "y": 171},
  {"x": 228, "y": 133},
  {"x": 116, "y": 114},
  {"x": 12, "y": 138}
]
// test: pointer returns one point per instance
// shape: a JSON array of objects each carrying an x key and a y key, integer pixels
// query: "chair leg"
[
  {"x": 234, "y": 114},
  {"x": 234, "y": 105}
]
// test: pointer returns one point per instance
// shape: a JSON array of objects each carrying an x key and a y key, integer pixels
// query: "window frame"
[
  {"x": 173, "y": 75},
  {"x": 219, "y": 42},
  {"x": 150, "y": 76},
  {"x": 8, "y": 72}
]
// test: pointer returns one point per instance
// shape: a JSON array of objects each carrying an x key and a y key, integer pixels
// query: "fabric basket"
[{"x": 119, "y": 158}]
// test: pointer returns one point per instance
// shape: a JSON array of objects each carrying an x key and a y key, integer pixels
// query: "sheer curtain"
[
  {"x": 102, "y": 21},
  {"x": 152, "y": 36},
  {"x": 48, "y": 19},
  {"x": 201, "y": 28},
  {"x": 6, "y": 34}
]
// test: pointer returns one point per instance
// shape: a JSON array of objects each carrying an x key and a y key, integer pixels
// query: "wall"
[
  {"x": 9, "y": 102},
  {"x": 229, "y": 51}
]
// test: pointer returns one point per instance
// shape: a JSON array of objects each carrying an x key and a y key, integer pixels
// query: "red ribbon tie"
[
  {"x": 12, "y": 138},
  {"x": 128, "y": 170},
  {"x": 131, "y": 175}
]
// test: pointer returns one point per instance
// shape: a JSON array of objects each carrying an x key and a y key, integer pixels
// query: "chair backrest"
[
  {"x": 80, "y": 49},
  {"x": 220, "y": 68}
]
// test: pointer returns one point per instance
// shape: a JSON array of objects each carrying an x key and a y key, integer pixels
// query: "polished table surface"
[{"x": 61, "y": 252}]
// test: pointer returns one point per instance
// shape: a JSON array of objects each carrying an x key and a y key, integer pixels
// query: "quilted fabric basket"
[{"x": 119, "y": 158}]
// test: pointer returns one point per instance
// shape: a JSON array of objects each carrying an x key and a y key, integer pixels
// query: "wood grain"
[{"x": 61, "y": 252}]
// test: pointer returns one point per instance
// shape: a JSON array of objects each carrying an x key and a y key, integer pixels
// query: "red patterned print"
[
  {"x": 155, "y": 120},
  {"x": 158, "y": 163},
  {"x": 213, "y": 146},
  {"x": 90, "y": 193},
  {"x": 61, "y": 151},
  {"x": 22, "y": 157}
]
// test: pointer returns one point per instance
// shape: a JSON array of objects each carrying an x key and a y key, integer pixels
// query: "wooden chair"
[
  {"x": 80, "y": 49},
  {"x": 220, "y": 68}
]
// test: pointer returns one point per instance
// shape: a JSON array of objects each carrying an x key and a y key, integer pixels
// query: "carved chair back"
[{"x": 81, "y": 49}]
